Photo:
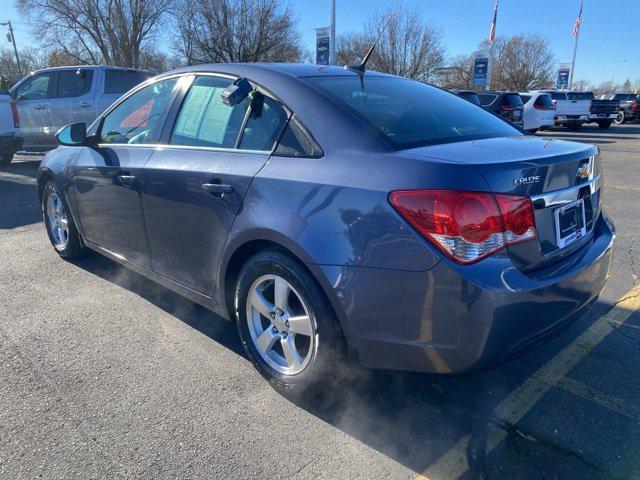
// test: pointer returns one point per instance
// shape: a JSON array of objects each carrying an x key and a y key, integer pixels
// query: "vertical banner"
[
  {"x": 323, "y": 41},
  {"x": 480, "y": 69},
  {"x": 564, "y": 72}
]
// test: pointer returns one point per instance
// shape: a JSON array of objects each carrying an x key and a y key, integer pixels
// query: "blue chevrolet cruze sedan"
[{"x": 334, "y": 213}]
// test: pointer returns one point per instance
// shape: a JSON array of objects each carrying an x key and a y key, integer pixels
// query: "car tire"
[
  {"x": 574, "y": 127},
  {"x": 619, "y": 120},
  {"x": 606, "y": 124},
  {"x": 59, "y": 223},
  {"x": 317, "y": 347},
  {"x": 6, "y": 159},
  {"x": 533, "y": 131}
]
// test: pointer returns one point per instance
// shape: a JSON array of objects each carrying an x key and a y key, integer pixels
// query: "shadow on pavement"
[
  {"x": 18, "y": 195},
  {"x": 412, "y": 418}
]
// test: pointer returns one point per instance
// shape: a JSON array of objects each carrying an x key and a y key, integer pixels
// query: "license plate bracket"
[{"x": 571, "y": 223}]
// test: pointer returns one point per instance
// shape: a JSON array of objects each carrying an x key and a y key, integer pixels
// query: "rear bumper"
[
  {"x": 10, "y": 144},
  {"x": 595, "y": 117},
  {"x": 564, "y": 119},
  {"x": 454, "y": 319}
]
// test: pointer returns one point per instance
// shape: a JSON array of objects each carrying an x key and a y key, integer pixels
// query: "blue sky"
[{"x": 603, "y": 42}]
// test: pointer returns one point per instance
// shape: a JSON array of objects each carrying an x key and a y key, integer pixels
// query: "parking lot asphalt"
[{"x": 105, "y": 374}]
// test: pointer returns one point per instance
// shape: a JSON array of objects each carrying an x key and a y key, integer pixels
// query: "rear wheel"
[
  {"x": 574, "y": 127},
  {"x": 6, "y": 159},
  {"x": 61, "y": 229},
  {"x": 605, "y": 124},
  {"x": 619, "y": 118},
  {"x": 286, "y": 324}
]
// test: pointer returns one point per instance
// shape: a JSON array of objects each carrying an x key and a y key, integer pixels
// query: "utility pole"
[
  {"x": 576, "y": 34},
  {"x": 332, "y": 35},
  {"x": 13, "y": 40}
]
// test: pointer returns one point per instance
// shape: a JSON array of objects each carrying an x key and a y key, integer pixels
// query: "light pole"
[
  {"x": 332, "y": 34},
  {"x": 613, "y": 70},
  {"x": 13, "y": 40}
]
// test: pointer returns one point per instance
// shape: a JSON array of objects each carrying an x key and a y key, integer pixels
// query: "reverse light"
[{"x": 466, "y": 226}]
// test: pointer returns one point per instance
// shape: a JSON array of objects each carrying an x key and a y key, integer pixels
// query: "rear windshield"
[
  {"x": 544, "y": 101},
  {"x": 558, "y": 95},
  {"x": 511, "y": 100},
  {"x": 410, "y": 113},
  {"x": 487, "y": 98},
  {"x": 525, "y": 98},
  {"x": 580, "y": 95},
  {"x": 621, "y": 97},
  {"x": 120, "y": 81}
]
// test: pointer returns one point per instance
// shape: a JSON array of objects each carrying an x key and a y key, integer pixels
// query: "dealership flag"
[
  {"x": 576, "y": 27},
  {"x": 492, "y": 31}
]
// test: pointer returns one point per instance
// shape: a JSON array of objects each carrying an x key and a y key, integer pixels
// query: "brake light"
[
  {"x": 555, "y": 103},
  {"x": 634, "y": 105},
  {"x": 506, "y": 107},
  {"x": 466, "y": 226},
  {"x": 14, "y": 114},
  {"x": 544, "y": 107}
]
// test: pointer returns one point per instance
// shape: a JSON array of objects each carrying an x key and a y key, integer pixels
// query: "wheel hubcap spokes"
[
  {"x": 58, "y": 222},
  {"x": 280, "y": 325}
]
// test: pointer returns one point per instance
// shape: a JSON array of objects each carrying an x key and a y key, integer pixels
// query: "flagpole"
[{"x": 575, "y": 45}]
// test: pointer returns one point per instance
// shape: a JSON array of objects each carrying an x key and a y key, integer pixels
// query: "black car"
[
  {"x": 507, "y": 105},
  {"x": 629, "y": 106},
  {"x": 467, "y": 94}
]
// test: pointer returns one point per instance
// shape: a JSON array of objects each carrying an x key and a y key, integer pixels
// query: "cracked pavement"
[{"x": 104, "y": 374}]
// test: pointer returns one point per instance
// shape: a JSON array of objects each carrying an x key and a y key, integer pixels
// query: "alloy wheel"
[
  {"x": 280, "y": 325},
  {"x": 57, "y": 221}
]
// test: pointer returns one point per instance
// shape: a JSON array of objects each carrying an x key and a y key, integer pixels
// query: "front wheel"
[
  {"x": 61, "y": 229},
  {"x": 287, "y": 326},
  {"x": 619, "y": 120}
]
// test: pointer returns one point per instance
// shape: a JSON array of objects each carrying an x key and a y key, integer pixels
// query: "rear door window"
[
  {"x": 511, "y": 100},
  {"x": 297, "y": 142},
  {"x": 544, "y": 101},
  {"x": 74, "y": 83},
  {"x": 205, "y": 121},
  {"x": 121, "y": 81},
  {"x": 264, "y": 124}
]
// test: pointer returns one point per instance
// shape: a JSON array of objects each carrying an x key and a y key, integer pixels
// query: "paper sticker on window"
[{"x": 139, "y": 117}]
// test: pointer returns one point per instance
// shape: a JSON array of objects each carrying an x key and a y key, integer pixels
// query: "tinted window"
[
  {"x": 544, "y": 101},
  {"x": 296, "y": 142},
  {"x": 471, "y": 96},
  {"x": 34, "y": 88},
  {"x": 410, "y": 113},
  {"x": 74, "y": 83},
  {"x": 138, "y": 119},
  {"x": 580, "y": 95},
  {"x": 204, "y": 120},
  {"x": 621, "y": 97},
  {"x": 511, "y": 100},
  {"x": 121, "y": 81},
  {"x": 558, "y": 95},
  {"x": 487, "y": 98},
  {"x": 263, "y": 125},
  {"x": 525, "y": 98}
]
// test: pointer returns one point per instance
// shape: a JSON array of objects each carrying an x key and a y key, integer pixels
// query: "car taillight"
[
  {"x": 555, "y": 103},
  {"x": 506, "y": 107},
  {"x": 466, "y": 226},
  {"x": 544, "y": 107},
  {"x": 14, "y": 114},
  {"x": 634, "y": 105}
]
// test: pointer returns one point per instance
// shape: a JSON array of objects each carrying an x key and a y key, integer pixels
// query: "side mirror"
[{"x": 74, "y": 135}]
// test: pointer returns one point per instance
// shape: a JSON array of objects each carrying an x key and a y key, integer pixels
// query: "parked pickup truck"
[
  {"x": 572, "y": 113},
  {"x": 10, "y": 141},
  {"x": 603, "y": 112},
  {"x": 628, "y": 105},
  {"x": 51, "y": 98}
]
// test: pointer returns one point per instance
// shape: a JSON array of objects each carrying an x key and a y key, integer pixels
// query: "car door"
[
  {"x": 194, "y": 187},
  {"x": 72, "y": 101},
  {"x": 106, "y": 178},
  {"x": 31, "y": 97}
]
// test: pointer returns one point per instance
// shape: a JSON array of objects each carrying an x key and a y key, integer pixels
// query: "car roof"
[{"x": 89, "y": 67}]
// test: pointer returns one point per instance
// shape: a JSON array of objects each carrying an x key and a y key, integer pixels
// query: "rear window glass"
[
  {"x": 544, "y": 101},
  {"x": 410, "y": 113},
  {"x": 580, "y": 95},
  {"x": 296, "y": 142},
  {"x": 120, "y": 81},
  {"x": 621, "y": 97},
  {"x": 525, "y": 98},
  {"x": 558, "y": 95},
  {"x": 512, "y": 100},
  {"x": 487, "y": 98}
]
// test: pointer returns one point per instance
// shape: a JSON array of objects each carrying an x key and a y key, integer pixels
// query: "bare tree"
[
  {"x": 522, "y": 62},
  {"x": 458, "y": 73},
  {"x": 237, "y": 31},
  {"x": 581, "y": 85},
  {"x": 115, "y": 32},
  {"x": 409, "y": 46}
]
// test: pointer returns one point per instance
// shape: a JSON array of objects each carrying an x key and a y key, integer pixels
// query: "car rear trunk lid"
[{"x": 562, "y": 178}]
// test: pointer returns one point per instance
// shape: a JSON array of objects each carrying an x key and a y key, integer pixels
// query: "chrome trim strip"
[
  {"x": 566, "y": 195},
  {"x": 162, "y": 146}
]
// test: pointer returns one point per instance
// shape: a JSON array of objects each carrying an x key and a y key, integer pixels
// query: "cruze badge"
[
  {"x": 585, "y": 171},
  {"x": 526, "y": 180}
]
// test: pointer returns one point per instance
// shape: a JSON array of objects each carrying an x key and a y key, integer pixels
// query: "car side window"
[
  {"x": 204, "y": 120},
  {"x": 264, "y": 124},
  {"x": 74, "y": 83},
  {"x": 296, "y": 142},
  {"x": 138, "y": 119},
  {"x": 35, "y": 87}
]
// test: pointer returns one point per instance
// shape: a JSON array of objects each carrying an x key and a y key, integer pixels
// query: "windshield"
[{"x": 410, "y": 113}]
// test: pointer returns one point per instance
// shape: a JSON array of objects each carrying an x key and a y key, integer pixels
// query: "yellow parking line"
[
  {"x": 454, "y": 463},
  {"x": 608, "y": 401}
]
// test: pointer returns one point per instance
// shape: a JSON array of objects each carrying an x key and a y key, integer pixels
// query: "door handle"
[
  {"x": 85, "y": 105},
  {"x": 217, "y": 189},
  {"x": 126, "y": 181},
  {"x": 40, "y": 106}
]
